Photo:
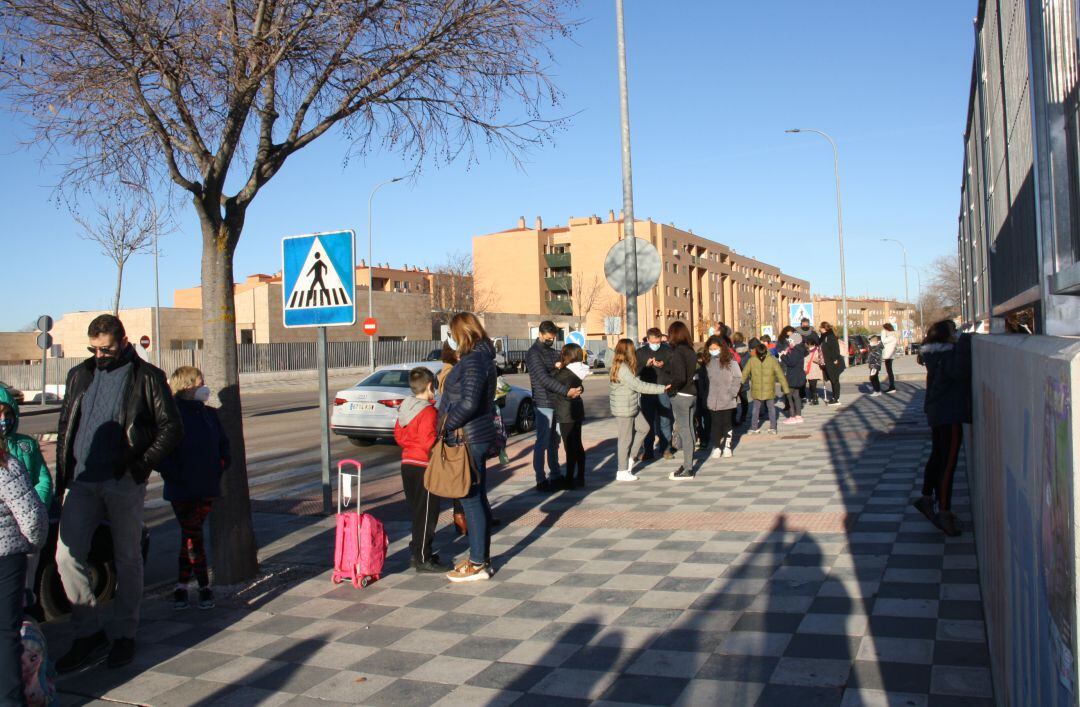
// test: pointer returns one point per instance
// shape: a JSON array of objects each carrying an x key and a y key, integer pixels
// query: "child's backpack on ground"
[
  {"x": 360, "y": 541},
  {"x": 38, "y": 673}
]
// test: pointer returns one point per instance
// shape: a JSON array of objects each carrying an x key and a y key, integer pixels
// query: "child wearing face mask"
[{"x": 192, "y": 475}]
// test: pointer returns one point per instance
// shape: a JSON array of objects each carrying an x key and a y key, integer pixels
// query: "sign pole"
[
  {"x": 324, "y": 419},
  {"x": 44, "y": 363}
]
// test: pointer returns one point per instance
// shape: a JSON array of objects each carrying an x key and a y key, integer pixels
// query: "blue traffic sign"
[
  {"x": 576, "y": 337},
  {"x": 319, "y": 279}
]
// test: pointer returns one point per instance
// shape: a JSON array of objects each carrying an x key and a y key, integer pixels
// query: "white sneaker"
[
  {"x": 625, "y": 476},
  {"x": 875, "y": 394},
  {"x": 727, "y": 452},
  {"x": 630, "y": 467},
  {"x": 715, "y": 453},
  {"x": 836, "y": 404}
]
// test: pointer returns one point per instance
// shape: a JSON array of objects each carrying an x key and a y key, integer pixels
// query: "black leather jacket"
[{"x": 150, "y": 420}]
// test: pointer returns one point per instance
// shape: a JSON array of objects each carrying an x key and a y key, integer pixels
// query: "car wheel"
[
  {"x": 526, "y": 417},
  {"x": 53, "y": 600},
  {"x": 361, "y": 441}
]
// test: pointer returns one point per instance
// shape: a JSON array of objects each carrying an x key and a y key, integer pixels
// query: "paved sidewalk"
[{"x": 795, "y": 573}]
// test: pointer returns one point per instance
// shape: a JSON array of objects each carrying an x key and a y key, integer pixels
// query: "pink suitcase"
[{"x": 361, "y": 542}]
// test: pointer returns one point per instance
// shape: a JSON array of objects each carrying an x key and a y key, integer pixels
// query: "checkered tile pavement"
[{"x": 795, "y": 573}]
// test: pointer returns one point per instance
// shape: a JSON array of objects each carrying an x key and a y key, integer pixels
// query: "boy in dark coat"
[{"x": 873, "y": 362}]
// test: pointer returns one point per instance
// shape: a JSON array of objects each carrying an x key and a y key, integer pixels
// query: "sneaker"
[
  {"x": 813, "y": 401},
  {"x": 790, "y": 421},
  {"x": 756, "y": 431},
  {"x": 799, "y": 419},
  {"x": 875, "y": 394},
  {"x": 727, "y": 453},
  {"x": 180, "y": 599},
  {"x": 771, "y": 431},
  {"x": 430, "y": 566},
  {"x": 83, "y": 652},
  {"x": 544, "y": 486},
  {"x": 121, "y": 653},
  {"x": 206, "y": 598},
  {"x": 681, "y": 474},
  {"x": 836, "y": 403},
  {"x": 949, "y": 524},
  {"x": 891, "y": 390},
  {"x": 668, "y": 454},
  {"x": 468, "y": 571},
  {"x": 925, "y": 505},
  {"x": 715, "y": 454},
  {"x": 624, "y": 476}
]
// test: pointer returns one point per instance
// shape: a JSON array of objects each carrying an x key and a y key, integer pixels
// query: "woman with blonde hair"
[
  {"x": 468, "y": 397},
  {"x": 624, "y": 397},
  {"x": 192, "y": 475}
]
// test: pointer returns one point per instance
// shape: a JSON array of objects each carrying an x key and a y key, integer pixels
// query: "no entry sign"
[
  {"x": 144, "y": 341},
  {"x": 371, "y": 326}
]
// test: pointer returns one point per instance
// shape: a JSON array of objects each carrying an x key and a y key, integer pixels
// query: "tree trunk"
[
  {"x": 232, "y": 536},
  {"x": 119, "y": 282}
]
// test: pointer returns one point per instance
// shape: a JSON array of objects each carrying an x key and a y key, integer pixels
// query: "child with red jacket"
[{"x": 415, "y": 433}]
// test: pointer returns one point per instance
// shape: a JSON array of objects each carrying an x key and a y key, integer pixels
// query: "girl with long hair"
[
  {"x": 724, "y": 384},
  {"x": 624, "y": 397},
  {"x": 834, "y": 361},
  {"x": 683, "y": 392},
  {"x": 570, "y": 413}
]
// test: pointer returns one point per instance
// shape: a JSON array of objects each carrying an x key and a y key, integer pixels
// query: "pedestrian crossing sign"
[{"x": 319, "y": 279}]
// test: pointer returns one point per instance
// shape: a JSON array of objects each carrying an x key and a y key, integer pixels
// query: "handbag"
[{"x": 449, "y": 472}]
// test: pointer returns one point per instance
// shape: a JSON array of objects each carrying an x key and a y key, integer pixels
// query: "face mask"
[
  {"x": 6, "y": 425},
  {"x": 714, "y": 352},
  {"x": 201, "y": 394},
  {"x": 549, "y": 343},
  {"x": 654, "y": 347},
  {"x": 451, "y": 343}
]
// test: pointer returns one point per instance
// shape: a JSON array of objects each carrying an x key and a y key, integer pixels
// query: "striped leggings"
[
  {"x": 191, "y": 515},
  {"x": 941, "y": 466}
]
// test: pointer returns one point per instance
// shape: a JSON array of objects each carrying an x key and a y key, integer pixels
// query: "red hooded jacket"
[{"x": 417, "y": 437}]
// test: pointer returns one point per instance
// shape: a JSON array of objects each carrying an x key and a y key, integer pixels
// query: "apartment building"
[
  {"x": 868, "y": 313},
  {"x": 559, "y": 271}
]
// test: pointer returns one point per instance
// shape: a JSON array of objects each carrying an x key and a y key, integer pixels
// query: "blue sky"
[{"x": 713, "y": 85}]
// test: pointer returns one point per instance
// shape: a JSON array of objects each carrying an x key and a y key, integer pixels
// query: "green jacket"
[
  {"x": 764, "y": 375},
  {"x": 624, "y": 393},
  {"x": 27, "y": 451}
]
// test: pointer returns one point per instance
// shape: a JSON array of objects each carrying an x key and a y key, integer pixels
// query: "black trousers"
[
  {"x": 12, "y": 581},
  {"x": 423, "y": 511},
  {"x": 875, "y": 381},
  {"x": 721, "y": 422},
  {"x": 941, "y": 466},
  {"x": 888, "y": 371},
  {"x": 574, "y": 449},
  {"x": 833, "y": 374},
  {"x": 813, "y": 389},
  {"x": 744, "y": 408}
]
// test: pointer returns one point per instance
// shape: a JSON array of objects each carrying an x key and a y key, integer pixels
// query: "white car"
[{"x": 368, "y": 410}]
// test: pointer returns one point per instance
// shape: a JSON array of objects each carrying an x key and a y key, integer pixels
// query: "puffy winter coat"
[
  {"x": 469, "y": 394},
  {"x": 568, "y": 409},
  {"x": 24, "y": 523},
  {"x": 682, "y": 368},
  {"x": 28, "y": 452},
  {"x": 193, "y": 471},
  {"x": 415, "y": 431},
  {"x": 830, "y": 351},
  {"x": 889, "y": 342},
  {"x": 793, "y": 361},
  {"x": 763, "y": 377},
  {"x": 810, "y": 365},
  {"x": 948, "y": 382},
  {"x": 724, "y": 382},
  {"x": 540, "y": 361},
  {"x": 873, "y": 360},
  {"x": 624, "y": 393}
]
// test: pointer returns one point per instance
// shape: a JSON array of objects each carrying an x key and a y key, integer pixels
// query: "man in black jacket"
[
  {"x": 118, "y": 422},
  {"x": 652, "y": 358},
  {"x": 540, "y": 361}
]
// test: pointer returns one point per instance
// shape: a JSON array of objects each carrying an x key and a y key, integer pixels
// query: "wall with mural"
[{"x": 1024, "y": 471}]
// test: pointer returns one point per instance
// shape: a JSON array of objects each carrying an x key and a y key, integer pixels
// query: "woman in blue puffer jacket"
[{"x": 466, "y": 406}]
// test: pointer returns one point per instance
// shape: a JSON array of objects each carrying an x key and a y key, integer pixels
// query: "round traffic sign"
[
  {"x": 144, "y": 341},
  {"x": 618, "y": 274},
  {"x": 371, "y": 326},
  {"x": 45, "y": 323},
  {"x": 44, "y": 340},
  {"x": 576, "y": 337}
]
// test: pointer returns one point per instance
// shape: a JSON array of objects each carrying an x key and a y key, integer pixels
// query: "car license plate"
[{"x": 361, "y": 407}]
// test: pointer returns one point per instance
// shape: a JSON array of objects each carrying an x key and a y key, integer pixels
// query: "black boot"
[{"x": 83, "y": 651}]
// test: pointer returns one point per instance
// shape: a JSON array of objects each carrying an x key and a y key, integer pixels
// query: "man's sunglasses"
[{"x": 102, "y": 349}]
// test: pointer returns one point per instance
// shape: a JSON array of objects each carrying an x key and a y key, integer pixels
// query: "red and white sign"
[
  {"x": 144, "y": 341},
  {"x": 371, "y": 326}
]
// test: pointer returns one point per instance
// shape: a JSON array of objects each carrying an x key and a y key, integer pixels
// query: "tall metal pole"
[
  {"x": 324, "y": 417},
  {"x": 839, "y": 223},
  {"x": 157, "y": 306},
  {"x": 371, "y": 267},
  {"x": 922, "y": 324},
  {"x": 907, "y": 297},
  {"x": 627, "y": 182}
]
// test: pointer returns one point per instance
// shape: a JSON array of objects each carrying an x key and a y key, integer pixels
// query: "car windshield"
[{"x": 386, "y": 379}]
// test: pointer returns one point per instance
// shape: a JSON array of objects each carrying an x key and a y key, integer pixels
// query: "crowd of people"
[{"x": 122, "y": 419}]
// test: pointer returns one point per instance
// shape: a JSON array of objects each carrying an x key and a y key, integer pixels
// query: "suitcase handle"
[{"x": 344, "y": 502}]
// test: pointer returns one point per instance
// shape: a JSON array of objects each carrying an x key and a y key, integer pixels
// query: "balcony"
[
  {"x": 561, "y": 283},
  {"x": 560, "y": 306},
  {"x": 557, "y": 261}
]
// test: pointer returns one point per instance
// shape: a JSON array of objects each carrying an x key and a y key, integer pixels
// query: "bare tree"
[
  {"x": 212, "y": 94},
  {"x": 940, "y": 298},
  {"x": 585, "y": 291},
  {"x": 122, "y": 229},
  {"x": 454, "y": 288}
]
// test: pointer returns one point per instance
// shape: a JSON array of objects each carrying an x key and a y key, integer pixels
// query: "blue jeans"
[
  {"x": 547, "y": 441},
  {"x": 476, "y": 507},
  {"x": 657, "y": 410}
]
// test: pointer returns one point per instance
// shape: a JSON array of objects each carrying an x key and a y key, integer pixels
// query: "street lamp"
[
  {"x": 922, "y": 324},
  {"x": 839, "y": 222},
  {"x": 371, "y": 268},
  {"x": 907, "y": 298}
]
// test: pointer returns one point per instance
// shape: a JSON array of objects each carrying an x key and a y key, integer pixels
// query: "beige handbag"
[{"x": 449, "y": 472}]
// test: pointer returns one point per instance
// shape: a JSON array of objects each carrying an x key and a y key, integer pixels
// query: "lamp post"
[
  {"x": 922, "y": 324},
  {"x": 371, "y": 267},
  {"x": 627, "y": 182},
  {"x": 907, "y": 297},
  {"x": 839, "y": 222}
]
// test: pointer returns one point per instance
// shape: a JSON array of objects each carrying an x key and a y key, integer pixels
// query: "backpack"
[{"x": 38, "y": 674}]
